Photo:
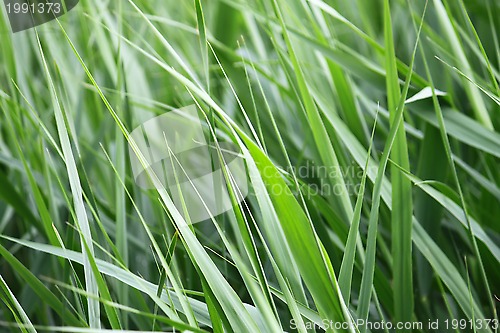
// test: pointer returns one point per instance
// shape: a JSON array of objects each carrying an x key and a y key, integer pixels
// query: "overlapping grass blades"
[{"x": 337, "y": 227}]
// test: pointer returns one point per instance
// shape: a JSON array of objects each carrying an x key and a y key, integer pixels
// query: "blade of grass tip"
[
  {"x": 483, "y": 52},
  {"x": 320, "y": 134},
  {"x": 402, "y": 205},
  {"x": 368, "y": 270},
  {"x": 472, "y": 92},
  {"x": 24, "y": 320},
  {"x": 187, "y": 310},
  {"x": 291, "y": 275},
  {"x": 167, "y": 45},
  {"x": 252, "y": 97},
  {"x": 347, "y": 266},
  {"x": 257, "y": 154},
  {"x": 331, "y": 299},
  {"x": 203, "y": 41},
  {"x": 202, "y": 32},
  {"x": 247, "y": 238},
  {"x": 465, "y": 130},
  {"x": 471, "y": 81},
  {"x": 402, "y": 67},
  {"x": 182, "y": 300},
  {"x": 286, "y": 288},
  {"x": 342, "y": 82},
  {"x": 445, "y": 269},
  {"x": 76, "y": 190},
  {"x": 486, "y": 183},
  {"x": 241, "y": 218},
  {"x": 103, "y": 98},
  {"x": 446, "y": 142},
  {"x": 304, "y": 244},
  {"x": 262, "y": 302},
  {"x": 240, "y": 105},
  {"x": 248, "y": 246}
]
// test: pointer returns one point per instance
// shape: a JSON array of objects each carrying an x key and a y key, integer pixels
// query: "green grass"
[{"x": 361, "y": 206}]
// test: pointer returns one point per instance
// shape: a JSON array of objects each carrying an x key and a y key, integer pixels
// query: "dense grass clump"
[{"x": 369, "y": 131}]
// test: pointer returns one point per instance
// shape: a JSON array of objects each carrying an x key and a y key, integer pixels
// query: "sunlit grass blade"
[
  {"x": 402, "y": 209},
  {"x": 368, "y": 271},
  {"x": 472, "y": 92},
  {"x": 346, "y": 269},
  {"x": 472, "y": 237},
  {"x": 323, "y": 144},
  {"x": 82, "y": 220},
  {"x": 21, "y": 317},
  {"x": 39, "y": 288}
]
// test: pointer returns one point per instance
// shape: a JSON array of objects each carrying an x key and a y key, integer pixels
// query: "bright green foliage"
[{"x": 342, "y": 223}]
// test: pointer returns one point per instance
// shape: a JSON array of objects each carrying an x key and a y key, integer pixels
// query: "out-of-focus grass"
[{"x": 339, "y": 225}]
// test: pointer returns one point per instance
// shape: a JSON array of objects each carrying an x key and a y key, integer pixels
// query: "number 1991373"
[{"x": 34, "y": 8}]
